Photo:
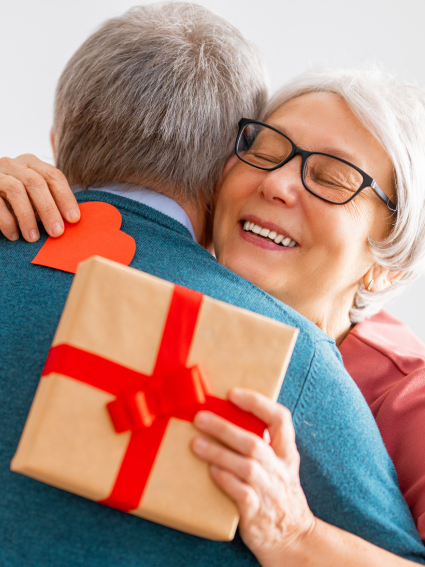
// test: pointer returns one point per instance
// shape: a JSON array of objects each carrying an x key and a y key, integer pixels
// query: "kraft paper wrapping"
[{"x": 119, "y": 313}]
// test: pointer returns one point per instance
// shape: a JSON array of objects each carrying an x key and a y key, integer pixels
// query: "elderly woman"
[
  {"x": 323, "y": 206},
  {"x": 325, "y": 210}
]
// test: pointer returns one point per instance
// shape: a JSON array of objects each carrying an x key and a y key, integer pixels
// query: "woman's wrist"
[
  {"x": 325, "y": 545},
  {"x": 300, "y": 550}
]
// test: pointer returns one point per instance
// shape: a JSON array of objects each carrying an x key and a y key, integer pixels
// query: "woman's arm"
[
  {"x": 30, "y": 187},
  {"x": 329, "y": 546},
  {"x": 263, "y": 480}
]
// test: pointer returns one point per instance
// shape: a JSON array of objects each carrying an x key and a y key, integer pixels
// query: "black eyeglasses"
[{"x": 328, "y": 177}]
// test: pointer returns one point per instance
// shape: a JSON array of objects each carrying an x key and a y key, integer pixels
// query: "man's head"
[{"x": 154, "y": 98}]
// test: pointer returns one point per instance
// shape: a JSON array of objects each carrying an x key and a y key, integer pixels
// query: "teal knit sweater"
[{"x": 346, "y": 473}]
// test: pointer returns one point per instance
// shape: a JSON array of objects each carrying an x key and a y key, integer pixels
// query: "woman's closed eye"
[
  {"x": 333, "y": 180},
  {"x": 336, "y": 183},
  {"x": 259, "y": 158}
]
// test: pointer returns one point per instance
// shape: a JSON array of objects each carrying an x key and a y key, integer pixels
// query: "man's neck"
[
  {"x": 198, "y": 217},
  {"x": 187, "y": 213}
]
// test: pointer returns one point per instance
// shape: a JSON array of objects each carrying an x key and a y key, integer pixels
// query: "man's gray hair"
[
  {"x": 395, "y": 114},
  {"x": 154, "y": 98}
]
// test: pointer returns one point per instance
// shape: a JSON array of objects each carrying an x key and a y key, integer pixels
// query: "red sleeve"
[
  {"x": 394, "y": 387},
  {"x": 401, "y": 420}
]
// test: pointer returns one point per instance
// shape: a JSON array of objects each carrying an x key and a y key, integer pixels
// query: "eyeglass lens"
[{"x": 325, "y": 176}]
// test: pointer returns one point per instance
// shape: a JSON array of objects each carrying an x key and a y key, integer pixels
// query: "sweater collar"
[{"x": 157, "y": 201}]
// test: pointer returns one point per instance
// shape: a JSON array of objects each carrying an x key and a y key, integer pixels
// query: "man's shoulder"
[{"x": 20, "y": 278}]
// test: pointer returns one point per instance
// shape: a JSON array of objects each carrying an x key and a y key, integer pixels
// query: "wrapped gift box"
[{"x": 133, "y": 359}]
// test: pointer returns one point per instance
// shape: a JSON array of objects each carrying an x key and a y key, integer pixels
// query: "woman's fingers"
[
  {"x": 57, "y": 183},
  {"x": 13, "y": 190},
  {"x": 232, "y": 436},
  {"x": 242, "y": 494},
  {"x": 27, "y": 183},
  {"x": 40, "y": 197},
  {"x": 241, "y": 477},
  {"x": 254, "y": 402},
  {"x": 247, "y": 469},
  {"x": 277, "y": 418},
  {"x": 8, "y": 224}
]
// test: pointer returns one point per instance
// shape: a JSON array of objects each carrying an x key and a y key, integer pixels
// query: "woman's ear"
[
  {"x": 229, "y": 165},
  {"x": 379, "y": 278}
]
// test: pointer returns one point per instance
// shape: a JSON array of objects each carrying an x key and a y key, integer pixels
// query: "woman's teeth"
[{"x": 271, "y": 234}]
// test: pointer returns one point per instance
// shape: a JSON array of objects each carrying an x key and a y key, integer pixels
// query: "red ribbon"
[{"x": 144, "y": 404}]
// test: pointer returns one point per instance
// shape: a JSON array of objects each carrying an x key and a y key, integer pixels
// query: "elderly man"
[{"x": 151, "y": 100}]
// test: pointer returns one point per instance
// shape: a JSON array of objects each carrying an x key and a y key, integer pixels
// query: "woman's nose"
[{"x": 283, "y": 185}]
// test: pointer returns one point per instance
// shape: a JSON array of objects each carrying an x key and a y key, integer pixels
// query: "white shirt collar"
[{"x": 157, "y": 201}]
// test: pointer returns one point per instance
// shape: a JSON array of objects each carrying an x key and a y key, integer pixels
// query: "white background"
[{"x": 37, "y": 38}]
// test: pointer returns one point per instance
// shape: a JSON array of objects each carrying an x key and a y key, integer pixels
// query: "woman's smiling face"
[{"x": 320, "y": 275}]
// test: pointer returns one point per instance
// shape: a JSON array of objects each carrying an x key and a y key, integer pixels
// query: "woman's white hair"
[{"x": 394, "y": 113}]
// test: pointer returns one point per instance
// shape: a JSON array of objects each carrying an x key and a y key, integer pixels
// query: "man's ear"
[
  {"x": 379, "y": 278},
  {"x": 229, "y": 165},
  {"x": 52, "y": 141}
]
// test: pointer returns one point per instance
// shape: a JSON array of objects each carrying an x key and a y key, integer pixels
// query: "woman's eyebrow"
[
  {"x": 338, "y": 152},
  {"x": 334, "y": 151},
  {"x": 280, "y": 128}
]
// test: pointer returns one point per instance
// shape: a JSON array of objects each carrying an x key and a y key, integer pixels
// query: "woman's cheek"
[
  {"x": 367, "y": 217},
  {"x": 344, "y": 229},
  {"x": 222, "y": 227}
]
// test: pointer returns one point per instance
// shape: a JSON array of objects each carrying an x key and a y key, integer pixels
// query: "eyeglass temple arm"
[{"x": 382, "y": 196}]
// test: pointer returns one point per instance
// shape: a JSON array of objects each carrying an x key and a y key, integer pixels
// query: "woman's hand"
[
  {"x": 30, "y": 187},
  {"x": 262, "y": 478}
]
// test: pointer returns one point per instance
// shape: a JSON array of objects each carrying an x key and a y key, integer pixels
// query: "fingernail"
[
  {"x": 200, "y": 443},
  {"x": 57, "y": 229},
  {"x": 34, "y": 235},
  {"x": 202, "y": 418},
  {"x": 74, "y": 215},
  {"x": 235, "y": 393},
  {"x": 15, "y": 236}
]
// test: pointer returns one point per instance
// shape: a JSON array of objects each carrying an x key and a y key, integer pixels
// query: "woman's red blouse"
[{"x": 387, "y": 362}]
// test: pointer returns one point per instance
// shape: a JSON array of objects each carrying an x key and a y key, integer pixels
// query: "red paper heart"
[{"x": 96, "y": 233}]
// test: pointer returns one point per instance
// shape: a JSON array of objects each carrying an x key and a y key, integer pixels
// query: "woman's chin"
[{"x": 255, "y": 272}]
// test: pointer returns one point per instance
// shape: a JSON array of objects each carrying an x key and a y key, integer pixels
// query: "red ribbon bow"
[
  {"x": 140, "y": 408},
  {"x": 144, "y": 404}
]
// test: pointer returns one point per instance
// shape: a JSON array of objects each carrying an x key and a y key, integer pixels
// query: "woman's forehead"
[
  {"x": 312, "y": 114},
  {"x": 323, "y": 121}
]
